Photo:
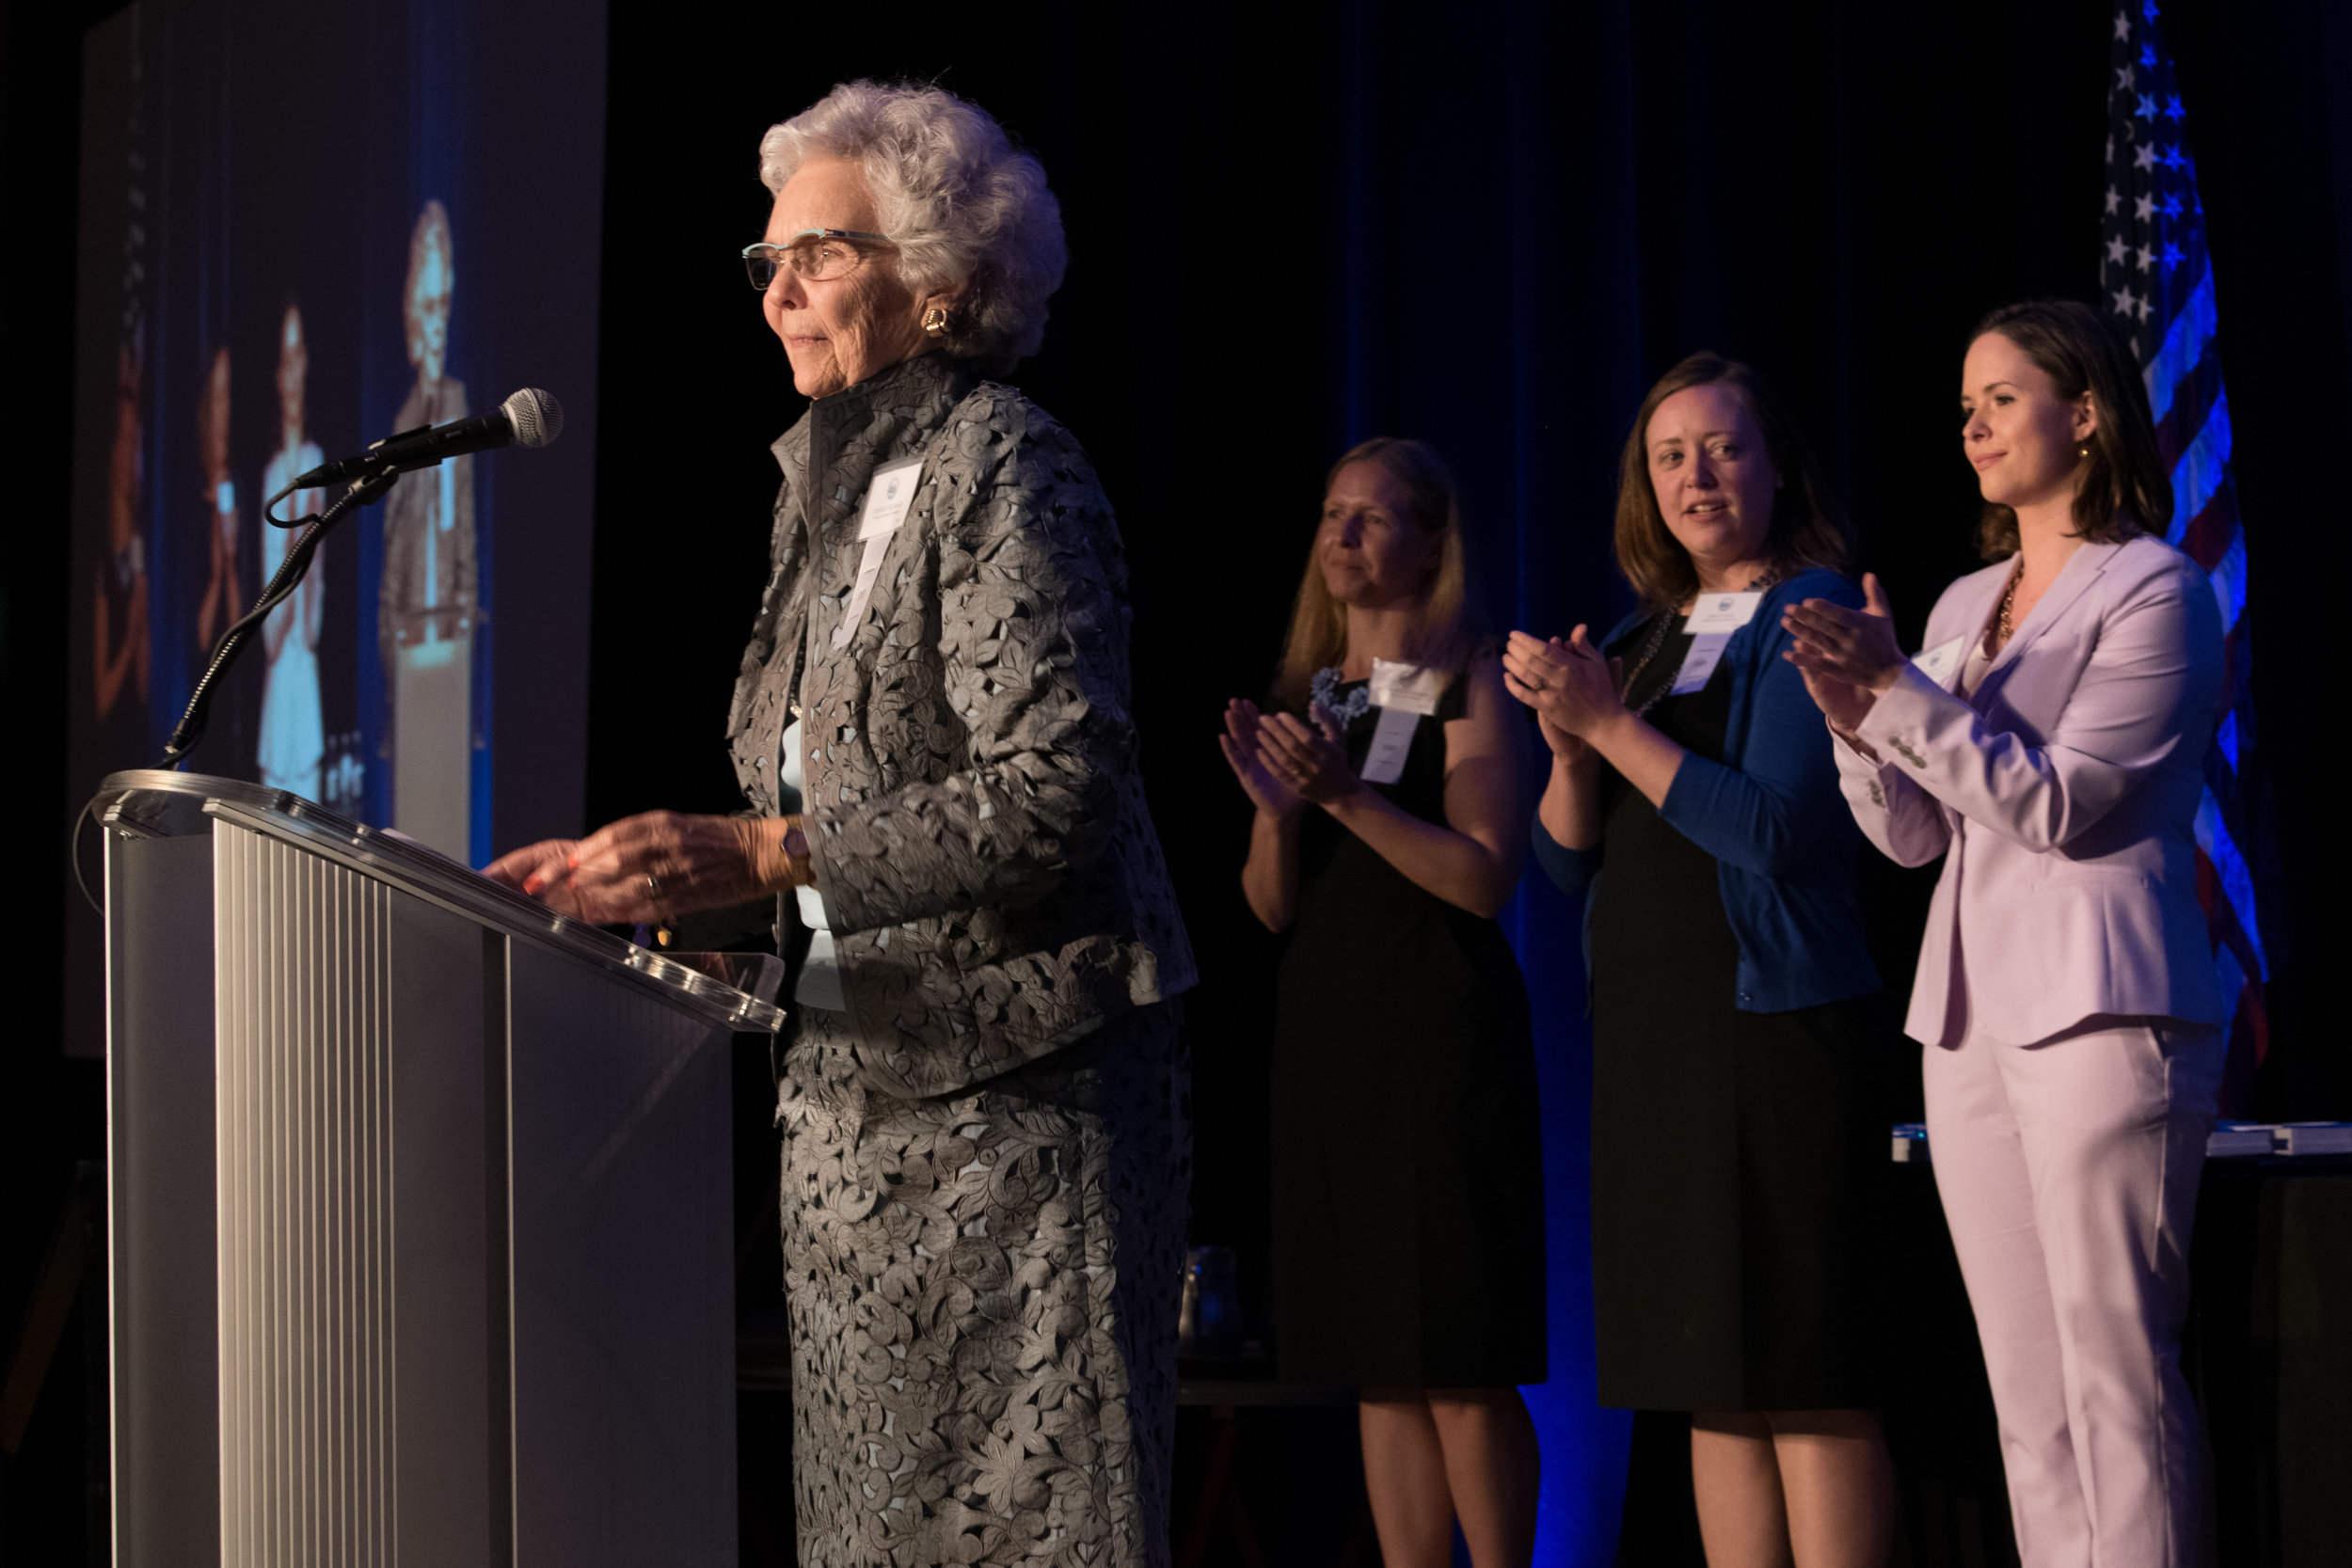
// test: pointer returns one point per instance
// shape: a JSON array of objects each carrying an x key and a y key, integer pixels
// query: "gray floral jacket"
[{"x": 975, "y": 810}]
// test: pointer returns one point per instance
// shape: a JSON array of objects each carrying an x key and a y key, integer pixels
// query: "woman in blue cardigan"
[{"x": 1737, "y": 1129}]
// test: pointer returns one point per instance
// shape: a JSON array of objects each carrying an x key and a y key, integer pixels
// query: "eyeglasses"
[{"x": 815, "y": 256}]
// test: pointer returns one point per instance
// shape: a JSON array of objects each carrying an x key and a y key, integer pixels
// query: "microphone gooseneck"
[{"x": 532, "y": 418}]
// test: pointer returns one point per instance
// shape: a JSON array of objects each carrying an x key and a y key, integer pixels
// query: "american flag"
[{"x": 2157, "y": 281}]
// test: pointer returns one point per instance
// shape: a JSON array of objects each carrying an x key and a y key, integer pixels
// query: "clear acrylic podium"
[{"x": 420, "y": 1204}]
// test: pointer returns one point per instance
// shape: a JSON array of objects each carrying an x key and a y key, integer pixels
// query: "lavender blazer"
[{"x": 2063, "y": 792}]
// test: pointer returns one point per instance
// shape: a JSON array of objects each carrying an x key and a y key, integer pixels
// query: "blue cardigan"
[{"x": 1774, "y": 818}]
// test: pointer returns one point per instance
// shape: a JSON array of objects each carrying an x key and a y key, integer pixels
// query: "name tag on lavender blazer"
[{"x": 1941, "y": 663}]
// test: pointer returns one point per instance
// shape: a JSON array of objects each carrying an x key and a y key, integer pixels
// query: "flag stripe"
[
  {"x": 2209, "y": 535},
  {"x": 2198, "y": 475},
  {"x": 2183, "y": 346},
  {"x": 2229, "y": 582},
  {"x": 2228, "y": 867},
  {"x": 2192, "y": 400}
]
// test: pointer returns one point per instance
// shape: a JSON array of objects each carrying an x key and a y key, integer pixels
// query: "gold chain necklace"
[{"x": 2003, "y": 627}]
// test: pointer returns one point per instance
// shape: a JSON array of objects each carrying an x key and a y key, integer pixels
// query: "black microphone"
[{"x": 528, "y": 419}]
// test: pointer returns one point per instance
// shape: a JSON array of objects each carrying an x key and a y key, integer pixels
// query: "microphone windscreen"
[{"x": 536, "y": 415}]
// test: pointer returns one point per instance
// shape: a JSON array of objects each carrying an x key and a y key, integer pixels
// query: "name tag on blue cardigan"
[
  {"x": 1706, "y": 651},
  {"x": 1722, "y": 613},
  {"x": 1713, "y": 618}
]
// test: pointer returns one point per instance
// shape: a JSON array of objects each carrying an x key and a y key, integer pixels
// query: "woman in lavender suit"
[{"x": 2049, "y": 743}]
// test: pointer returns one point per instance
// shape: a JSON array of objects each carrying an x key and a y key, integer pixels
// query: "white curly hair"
[{"x": 957, "y": 197}]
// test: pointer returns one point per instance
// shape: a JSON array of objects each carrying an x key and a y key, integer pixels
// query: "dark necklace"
[
  {"x": 1657, "y": 639},
  {"x": 1650, "y": 645}
]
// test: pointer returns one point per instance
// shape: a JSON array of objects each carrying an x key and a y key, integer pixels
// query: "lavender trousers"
[{"x": 2068, "y": 1171}]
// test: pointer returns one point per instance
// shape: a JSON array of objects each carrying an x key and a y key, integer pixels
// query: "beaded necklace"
[{"x": 1325, "y": 688}]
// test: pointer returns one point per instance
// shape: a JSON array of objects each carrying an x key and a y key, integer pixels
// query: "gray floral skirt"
[{"x": 983, "y": 1289}]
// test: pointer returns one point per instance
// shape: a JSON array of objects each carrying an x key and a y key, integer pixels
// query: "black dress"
[
  {"x": 1408, "y": 1225},
  {"x": 1737, "y": 1156}
]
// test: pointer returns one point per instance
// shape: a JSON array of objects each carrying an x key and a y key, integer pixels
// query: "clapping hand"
[
  {"x": 1265, "y": 790},
  {"x": 1569, "y": 684},
  {"x": 1310, "y": 762},
  {"x": 1848, "y": 656}
]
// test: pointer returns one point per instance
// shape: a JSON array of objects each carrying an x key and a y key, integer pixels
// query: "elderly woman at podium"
[{"x": 983, "y": 1093}]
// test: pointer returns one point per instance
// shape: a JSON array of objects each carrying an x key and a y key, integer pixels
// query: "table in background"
[{"x": 1222, "y": 1389}]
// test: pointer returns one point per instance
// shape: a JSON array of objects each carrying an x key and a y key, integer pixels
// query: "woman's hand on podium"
[
  {"x": 530, "y": 869},
  {"x": 660, "y": 863}
]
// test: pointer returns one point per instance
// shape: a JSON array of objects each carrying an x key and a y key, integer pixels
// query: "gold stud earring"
[
  {"x": 2083, "y": 451},
  {"x": 935, "y": 322}
]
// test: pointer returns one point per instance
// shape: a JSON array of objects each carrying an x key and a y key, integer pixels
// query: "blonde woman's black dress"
[{"x": 1408, "y": 1219}]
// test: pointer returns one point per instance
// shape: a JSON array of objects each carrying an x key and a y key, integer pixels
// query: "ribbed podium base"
[{"x": 305, "y": 1104}]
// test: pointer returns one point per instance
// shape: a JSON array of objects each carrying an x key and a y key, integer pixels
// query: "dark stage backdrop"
[{"x": 1487, "y": 225}]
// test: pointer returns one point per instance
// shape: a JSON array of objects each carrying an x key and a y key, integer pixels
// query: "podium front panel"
[
  {"x": 624, "y": 1282},
  {"x": 423, "y": 1237},
  {"x": 162, "y": 1296}
]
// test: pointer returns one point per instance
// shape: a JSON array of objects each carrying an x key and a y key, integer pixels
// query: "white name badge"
[
  {"x": 1404, "y": 693},
  {"x": 888, "y": 497},
  {"x": 869, "y": 571},
  {"x": 1706, "y": 651},
  {"x": 1940, "y": 662},
  {"x": 1383, "y": 762},
  {"x": 1406, "y": 686},
  {"x": 887, "y": 500},
  {"x": 1723, "y": 612}
]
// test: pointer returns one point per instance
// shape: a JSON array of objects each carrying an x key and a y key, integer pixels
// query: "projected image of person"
[
  {"x": 223, "y": 600},
  {"x": 1738, "y": 1134},
  {"x": 293, "y": 732},
  {"x": 1391, "y": 828},
  {"x": 987, "y": 1148},
  {"x": 122, "y": 656},
  {"x": 426, "y": 606}
]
